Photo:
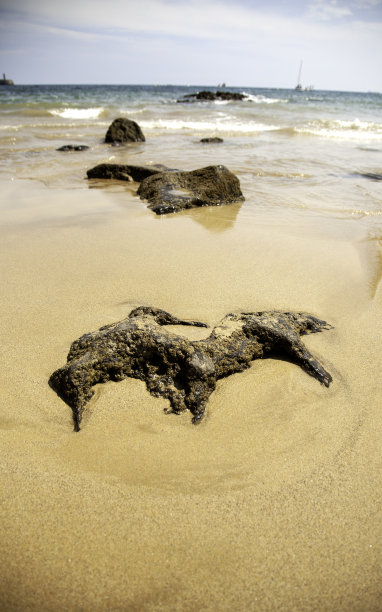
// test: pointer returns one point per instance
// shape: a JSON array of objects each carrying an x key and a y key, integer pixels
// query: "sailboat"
[{"x": 299, "y": 86}]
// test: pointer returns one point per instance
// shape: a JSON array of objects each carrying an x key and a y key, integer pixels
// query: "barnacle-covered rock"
[{"x": 183, "y": 371}]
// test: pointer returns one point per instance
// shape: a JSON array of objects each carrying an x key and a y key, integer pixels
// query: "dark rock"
[
  {"x": 123, "y": 172},
  {"x": 208, "y": 96},
  {"x": 212, "y": 140},
  {"x": 181, "y": 370},
  {"x": 73, "y": 148},
  {"x": 169, "y": 192},
  {"x": 124, "y": 130},
  {"x": 370, "y": 175}
]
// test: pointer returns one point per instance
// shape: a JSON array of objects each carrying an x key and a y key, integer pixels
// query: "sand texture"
[{"x": 273, "y": 502}]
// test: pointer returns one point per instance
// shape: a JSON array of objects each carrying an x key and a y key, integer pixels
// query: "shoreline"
[{"x": 274, "y": 500}]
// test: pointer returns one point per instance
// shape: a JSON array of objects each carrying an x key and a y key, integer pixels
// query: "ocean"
[{"x": 290, "y": 149}]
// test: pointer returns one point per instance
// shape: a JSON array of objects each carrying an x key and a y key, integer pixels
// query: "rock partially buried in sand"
[
  {"x": 169, "y": 192},
  {"x": 124, "y": 172},
  {"x": 181, "y": 370},
  {"x": 124, "y": 130},
  {"x": 71, "y": 147}
]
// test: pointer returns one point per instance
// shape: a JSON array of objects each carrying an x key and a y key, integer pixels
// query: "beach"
[{"x": 273, "y": 502}]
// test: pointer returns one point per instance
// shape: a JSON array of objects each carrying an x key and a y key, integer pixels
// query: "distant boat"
[
  {"x": 5, "y": 81},
  {"x": 299, "y": 86}
]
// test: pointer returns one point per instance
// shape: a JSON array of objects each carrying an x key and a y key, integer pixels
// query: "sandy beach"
[{"x": 274, "y": 501}]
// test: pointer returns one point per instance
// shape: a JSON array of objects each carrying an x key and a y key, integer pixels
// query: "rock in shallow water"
[
  {"x": 169, "y": 192},
  {"x": 124, "y": 172},
  {"x": 374, "y": 176},
  {"x": 181, "y": 370},
  {"x": 207, "y": 96},
  {"x": 71, "y": 147},
  {"x": 212, "y": 140},
  {"x": 124, "y": 130}
]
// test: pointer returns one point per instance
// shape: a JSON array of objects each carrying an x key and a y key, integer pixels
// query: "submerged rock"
[
  {"x": 212, "y": 96},
  {"x": 124, "y": 130},
  {"x": 371, "y": 175},
  {"x": 212, "y": 140},
  {"x": 169, "y": 192},
  {"x": 123, "y": 172},
  {"x": 71, "y": 147},
  {"x": 181, "y": 370}
]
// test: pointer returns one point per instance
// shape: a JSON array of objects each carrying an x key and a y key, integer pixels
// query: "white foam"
[
  {"x": 259, "y": 99},
  {"x": 78, "y": 113},
  {"x": 138, "y": 111},
  {"x": 343, "y": 129},
  {"x": 204, "y": 126}
]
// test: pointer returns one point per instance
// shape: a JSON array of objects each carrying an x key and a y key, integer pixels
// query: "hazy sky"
[{"x": 256, "y": 43}]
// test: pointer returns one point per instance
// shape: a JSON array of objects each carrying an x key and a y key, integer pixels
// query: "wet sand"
[{"x": 274, "y": 501}]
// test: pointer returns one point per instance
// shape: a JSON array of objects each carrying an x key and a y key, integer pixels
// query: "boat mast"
[{"x": 299, "y": 86}]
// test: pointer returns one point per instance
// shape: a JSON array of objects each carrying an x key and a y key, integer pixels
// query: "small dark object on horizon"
[
  {"x": 181, "y": 370},
  {"x": 5, "y": 81}
]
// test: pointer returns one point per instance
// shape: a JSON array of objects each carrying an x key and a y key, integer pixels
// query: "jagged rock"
[
  {"x": 124, "y": 130},
  {"x": 181, "y": 370},
  {"x": 73, "y": 148},
  {"x": 169, "y": 192},
  {"x": 212, "y": 140},
  {"x": 123, "y": 172},
  {"x": 211, "y": 96}
]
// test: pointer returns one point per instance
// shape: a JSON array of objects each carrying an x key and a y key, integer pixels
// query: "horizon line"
[{"x": 195, "y": 85}]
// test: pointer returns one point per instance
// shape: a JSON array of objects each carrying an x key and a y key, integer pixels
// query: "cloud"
[
  {"x": 200, "y": 19},
  {"x": 194, "y": 40},
  {"x": 327, "y": 10}
]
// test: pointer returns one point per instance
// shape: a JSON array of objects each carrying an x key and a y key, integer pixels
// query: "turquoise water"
[{"x": 290, "y": 149}]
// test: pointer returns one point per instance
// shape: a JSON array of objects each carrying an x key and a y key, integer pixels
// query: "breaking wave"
[
  {"x": 78, "y": 113},
  {"x": 260, "y": 99},
  {"x": 250, "y": 127},
  {"x": 351, "y": 129}
]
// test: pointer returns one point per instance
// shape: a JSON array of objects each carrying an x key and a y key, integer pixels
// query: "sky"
[{"x": 253, "y": 43}]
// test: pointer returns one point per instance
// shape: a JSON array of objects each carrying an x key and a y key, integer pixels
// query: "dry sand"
[{"x": 273, "y": 502}]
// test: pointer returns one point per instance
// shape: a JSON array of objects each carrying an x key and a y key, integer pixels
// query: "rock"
[
  {"x": 370, "y": 175},
  {"x": 124, "y": 130},
  {"x": 73, "y": 148},
  {"x": 181, "y": 370},
  {"x": 208, "y": 96},
  {"x": 169, "y": 192},
  {"x": 123, "y": 172},
  {"x": 212, "y": 140}
]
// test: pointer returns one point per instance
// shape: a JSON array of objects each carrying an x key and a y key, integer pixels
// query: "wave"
[
  {"x": 78, "y": 113},
  {"x": 340, "y": 129},
  {"x": 260, "y": 99},
  {"x": 203, "y": 126}
]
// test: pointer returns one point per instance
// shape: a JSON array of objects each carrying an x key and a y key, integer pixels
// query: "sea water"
[{"x": 292, "y": 150}]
